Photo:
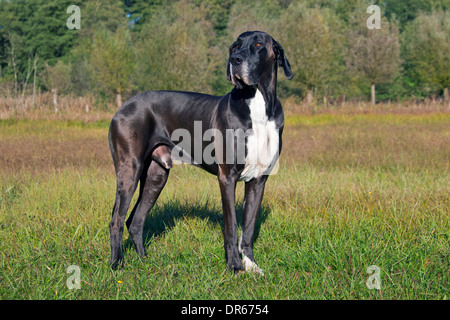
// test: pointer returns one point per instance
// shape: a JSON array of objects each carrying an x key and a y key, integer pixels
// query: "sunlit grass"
[{"x": 326, "y": 217}]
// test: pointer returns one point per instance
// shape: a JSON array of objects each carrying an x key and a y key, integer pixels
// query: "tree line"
[{"x": 127, "y": 46}]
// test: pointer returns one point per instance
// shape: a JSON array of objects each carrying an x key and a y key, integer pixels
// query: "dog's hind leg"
[
  {"x": 128, "y": 175},
  {"x": 152, "y": 183}
]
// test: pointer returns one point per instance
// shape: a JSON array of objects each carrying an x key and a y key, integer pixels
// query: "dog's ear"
[
  {"x": 229, "y": 63},
  {"x": 282, "y": 60},
  {"x": 228, "y": 70}
]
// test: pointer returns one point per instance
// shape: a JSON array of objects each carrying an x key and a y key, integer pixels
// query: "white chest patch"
[{"x": 262, "y": 142}]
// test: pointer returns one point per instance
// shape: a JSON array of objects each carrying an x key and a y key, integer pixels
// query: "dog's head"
[{"x": 251, "y": 55}]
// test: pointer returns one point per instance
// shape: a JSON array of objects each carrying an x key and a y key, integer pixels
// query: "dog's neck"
[{"x": 267, "y": 85}]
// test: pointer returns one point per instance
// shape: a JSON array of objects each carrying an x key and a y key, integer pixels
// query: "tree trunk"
[
  {"x": 55, "y": 101},
  {"x": 14, "y": 69},
  {"x": 119, "y": 99},
  {"x": 34, "y": 78},
  {"x": 372, "y": 99},
  {"x": 446, "y": 95},
  {"x": 309, "y": 96}
]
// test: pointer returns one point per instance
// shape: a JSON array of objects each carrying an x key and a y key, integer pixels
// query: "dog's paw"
[{"x": 251, "y": 266}]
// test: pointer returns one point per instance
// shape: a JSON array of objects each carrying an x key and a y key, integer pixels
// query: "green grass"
[{"x": 326, "y": 217}]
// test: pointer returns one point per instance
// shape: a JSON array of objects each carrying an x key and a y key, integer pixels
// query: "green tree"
[
  {"x": 96, "y": 15},
  {"x": 46, "y": 31},
  {"x": 34, "y": 28},
  {"x": 312, "y": 38},
  {"x": 426, "y": 43},
  {"x": 57, "y": 79},
  {"x": 141, "y": 12},
  {"x": 249, "y": 15},
  {"x": 101, "y": 14},
  {"x": 406, "y": 11},
  {"x": 374, "y": 53},
  {"x": 175, "y": 52},
  {"x": 112, "y": 61}
]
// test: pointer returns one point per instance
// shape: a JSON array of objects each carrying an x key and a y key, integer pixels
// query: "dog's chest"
[{"x": 262, "y": 141}]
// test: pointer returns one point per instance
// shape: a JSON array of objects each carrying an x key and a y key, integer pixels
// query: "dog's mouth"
[
  {"x": 237, "y": 80},
  {"x": 240, "y": 80}
]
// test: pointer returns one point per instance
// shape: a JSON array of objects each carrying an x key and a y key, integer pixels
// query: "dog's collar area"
[{"x": 245, "y": 92}]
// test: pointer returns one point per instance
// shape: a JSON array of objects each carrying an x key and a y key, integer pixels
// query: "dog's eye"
[{"x": 258, "y": 44}]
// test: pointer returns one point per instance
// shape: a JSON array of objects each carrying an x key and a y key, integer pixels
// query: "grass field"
[{"x": 352, "y": 191}]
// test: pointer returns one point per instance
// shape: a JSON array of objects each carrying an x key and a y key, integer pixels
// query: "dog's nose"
[{"x": 236, "y": 59}]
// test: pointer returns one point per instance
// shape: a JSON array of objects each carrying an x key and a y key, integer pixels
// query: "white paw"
[{"x": 250, "y": 266}]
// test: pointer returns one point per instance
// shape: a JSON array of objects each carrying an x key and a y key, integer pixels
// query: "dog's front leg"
[
  {"x": 254, "y": 191},
  {"x": 227, "y": 188}
]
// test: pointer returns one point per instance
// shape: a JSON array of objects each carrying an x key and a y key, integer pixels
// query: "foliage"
[
  {"x": 182, "y": 45},
  {"x": 112, "y": 62},
  {"x": 176, "y": 52},
  {"x": 312, "y": 39},
  {"x": 374, "y": 53},
  {"x": 98, "y": 14},
  {"x": 406, "y": 11},
  {"x": 34, "y": 27},
  {"x": 426, "y": 43},
  {"x": 58, "y": 77}
]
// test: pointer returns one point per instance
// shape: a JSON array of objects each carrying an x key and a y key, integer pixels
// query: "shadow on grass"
[{"x": 163, "y": 217}]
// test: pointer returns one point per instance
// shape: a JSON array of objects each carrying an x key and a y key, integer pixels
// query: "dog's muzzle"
[{"x": 240, "y": 72}]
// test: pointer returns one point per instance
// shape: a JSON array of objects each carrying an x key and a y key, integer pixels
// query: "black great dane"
[{"x": 236, "y": 137}]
